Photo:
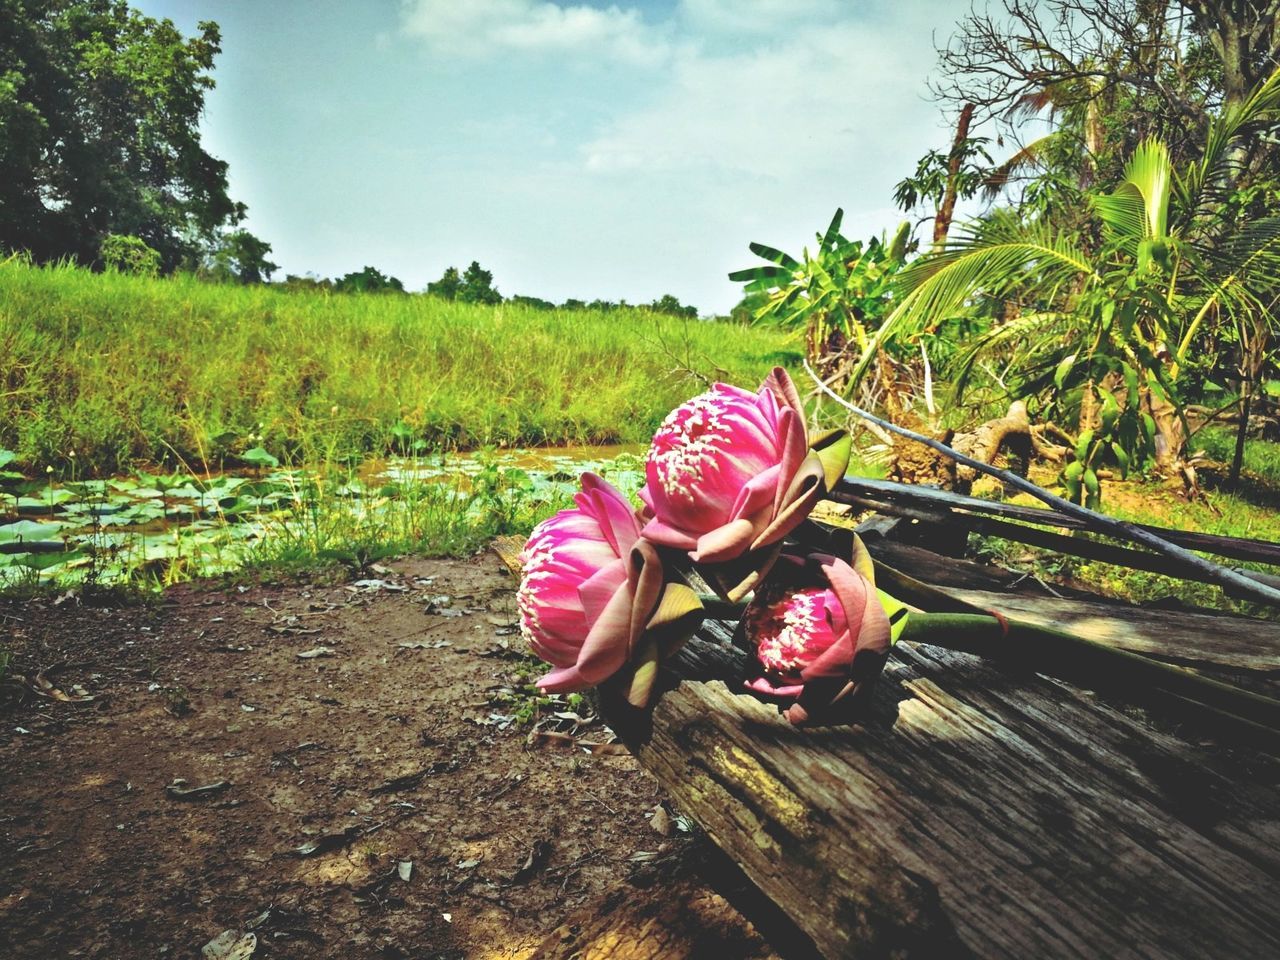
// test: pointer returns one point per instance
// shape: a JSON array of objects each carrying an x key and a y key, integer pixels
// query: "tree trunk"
[
  {"x": 1237, "y": 461},
  {"x": 942, "y": 222},
  {"x": 1171, "y": 439},
  {"x": 1007, "y": 438}
]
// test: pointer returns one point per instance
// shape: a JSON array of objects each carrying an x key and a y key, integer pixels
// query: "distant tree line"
[{"x": 474, "y": 285}]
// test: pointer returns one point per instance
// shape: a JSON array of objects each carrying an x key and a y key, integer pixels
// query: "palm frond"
[
  {"x": 999, "y": 178},
  {"x": 833, "y": 230},
  {"x": 1024, "y": 339},
  {"x": 1201, "y": 186},
  {"x": 1150, "y": 171},
  {"x": 1122, "y": 211},
  {"x": 1003, "y": 256},
  {"x": 1247, "y": 282}
]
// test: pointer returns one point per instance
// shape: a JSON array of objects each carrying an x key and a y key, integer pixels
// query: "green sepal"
[
  {"x": 833, "y": 448},
  {"x": 897, "y": 612},
  {"x": 644, "y": 671}
]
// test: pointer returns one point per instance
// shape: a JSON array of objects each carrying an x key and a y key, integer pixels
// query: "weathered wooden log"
[
  {"x": 978, "y": 813},
  {"x": 675, "y": 909},
  {"x": 1191, "y": 639}
]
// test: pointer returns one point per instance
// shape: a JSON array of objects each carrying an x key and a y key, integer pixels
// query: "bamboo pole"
[{"x": 1100, "y": 523}]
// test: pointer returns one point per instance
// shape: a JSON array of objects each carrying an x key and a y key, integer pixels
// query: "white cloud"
[
  {"x": 492, "y": 27},
  {"x": 764, "y": 117},
  {"x": 754, "y": 16},
  {"x": 827, "y": 97}
]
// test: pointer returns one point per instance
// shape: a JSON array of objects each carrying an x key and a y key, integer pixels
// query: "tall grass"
[{"x": 112, "y": 370}]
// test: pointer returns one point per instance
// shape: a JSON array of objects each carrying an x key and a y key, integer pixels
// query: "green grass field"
[{"x": 103, "y": 371}]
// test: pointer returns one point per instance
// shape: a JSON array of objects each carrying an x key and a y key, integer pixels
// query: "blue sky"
[{"x": 576, "y": 150}]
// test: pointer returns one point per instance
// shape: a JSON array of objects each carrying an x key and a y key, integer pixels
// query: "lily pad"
[{"x": 258, "y": 457}]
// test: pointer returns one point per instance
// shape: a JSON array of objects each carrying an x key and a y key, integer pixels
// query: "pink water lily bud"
[
  {"x": 594, "y": 598},
  {"x": 730, "y": 472},
  {"x": 821, "y": 637}
]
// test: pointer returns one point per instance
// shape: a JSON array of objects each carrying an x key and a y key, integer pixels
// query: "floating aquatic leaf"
[
  {"x": 258, "y": 457},
  {"x": 29, "y": 530}
]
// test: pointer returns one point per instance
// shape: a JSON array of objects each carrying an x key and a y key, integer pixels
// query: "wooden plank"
[
  {"x": 885, "y": 492},
  {"x": 1192, "y": 639},
  {"x": 979, "y": 814}
]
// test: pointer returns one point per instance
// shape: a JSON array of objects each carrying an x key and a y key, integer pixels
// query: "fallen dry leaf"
[
  {"x": 538, "y": 854},
  {"x": 551, "y": 738},
  {"x": 327, "y": 842},
  {"x": 614, "y": 749},
  {"x": 661, "y": 821},
  {"x": 229, "y": 945},
  {"x": 178, "y": 790}
]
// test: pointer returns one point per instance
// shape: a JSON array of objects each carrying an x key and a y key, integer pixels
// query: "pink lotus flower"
[
  {"x": 593, "y": 598},
  {"x": 732, "y": 471},
  {"x": 819, "y": 645}
]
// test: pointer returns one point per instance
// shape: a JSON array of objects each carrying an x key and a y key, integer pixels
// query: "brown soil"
[{"x": 339, "y": 769}]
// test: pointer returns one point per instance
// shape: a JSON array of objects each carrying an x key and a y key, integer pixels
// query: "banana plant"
[{"x": 833, "y": 297}]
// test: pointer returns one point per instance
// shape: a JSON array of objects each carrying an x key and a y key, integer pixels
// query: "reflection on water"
[{"x": 205, "y": 524}]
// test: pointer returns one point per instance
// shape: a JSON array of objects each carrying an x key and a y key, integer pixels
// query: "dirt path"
[{"x": 376, "y": 800}]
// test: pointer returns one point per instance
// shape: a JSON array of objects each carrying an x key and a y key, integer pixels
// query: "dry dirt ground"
[{"x": 368, "y": 794}]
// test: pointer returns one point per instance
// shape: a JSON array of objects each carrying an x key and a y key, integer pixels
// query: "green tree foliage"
[
  {"x": 448, "y": 286},
  {"x": 928, "y": 185},
  {"x": 1119, "y": 314},
  {"x": 672, "y": 306},
  {"x": 308, "y": 282},
  {"x": 475, "y": 285},
  {"x": 237, "y": 256},
  {"x": 368, "y": 280},
  {"x": 1110, "y": 74},
  {"x": 99, "y": 113},
  {"x": 537, "y": 303},
  {"x": 129, "y": 255}
]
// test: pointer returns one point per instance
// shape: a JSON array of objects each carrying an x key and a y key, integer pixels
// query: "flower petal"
[
  {"x": 612, "y": 511},
  {"x": 562, "y": 680},
  {"x": 793, "y": 448},
  {"x": 596, "y": 592},
  {"x": 656, "y": 531},
  {"x": 764, "y": 687},
  {"x": 780, "y": 384},
  {"x": 605, "y": 648},
  {"x": 724, "y": 543}
]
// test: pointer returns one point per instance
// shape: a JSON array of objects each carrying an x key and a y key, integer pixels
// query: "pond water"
[{"x": 172, "y": 526}]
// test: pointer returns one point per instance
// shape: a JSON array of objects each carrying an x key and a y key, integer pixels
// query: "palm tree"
[{"x": 1126, "y": 306}]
